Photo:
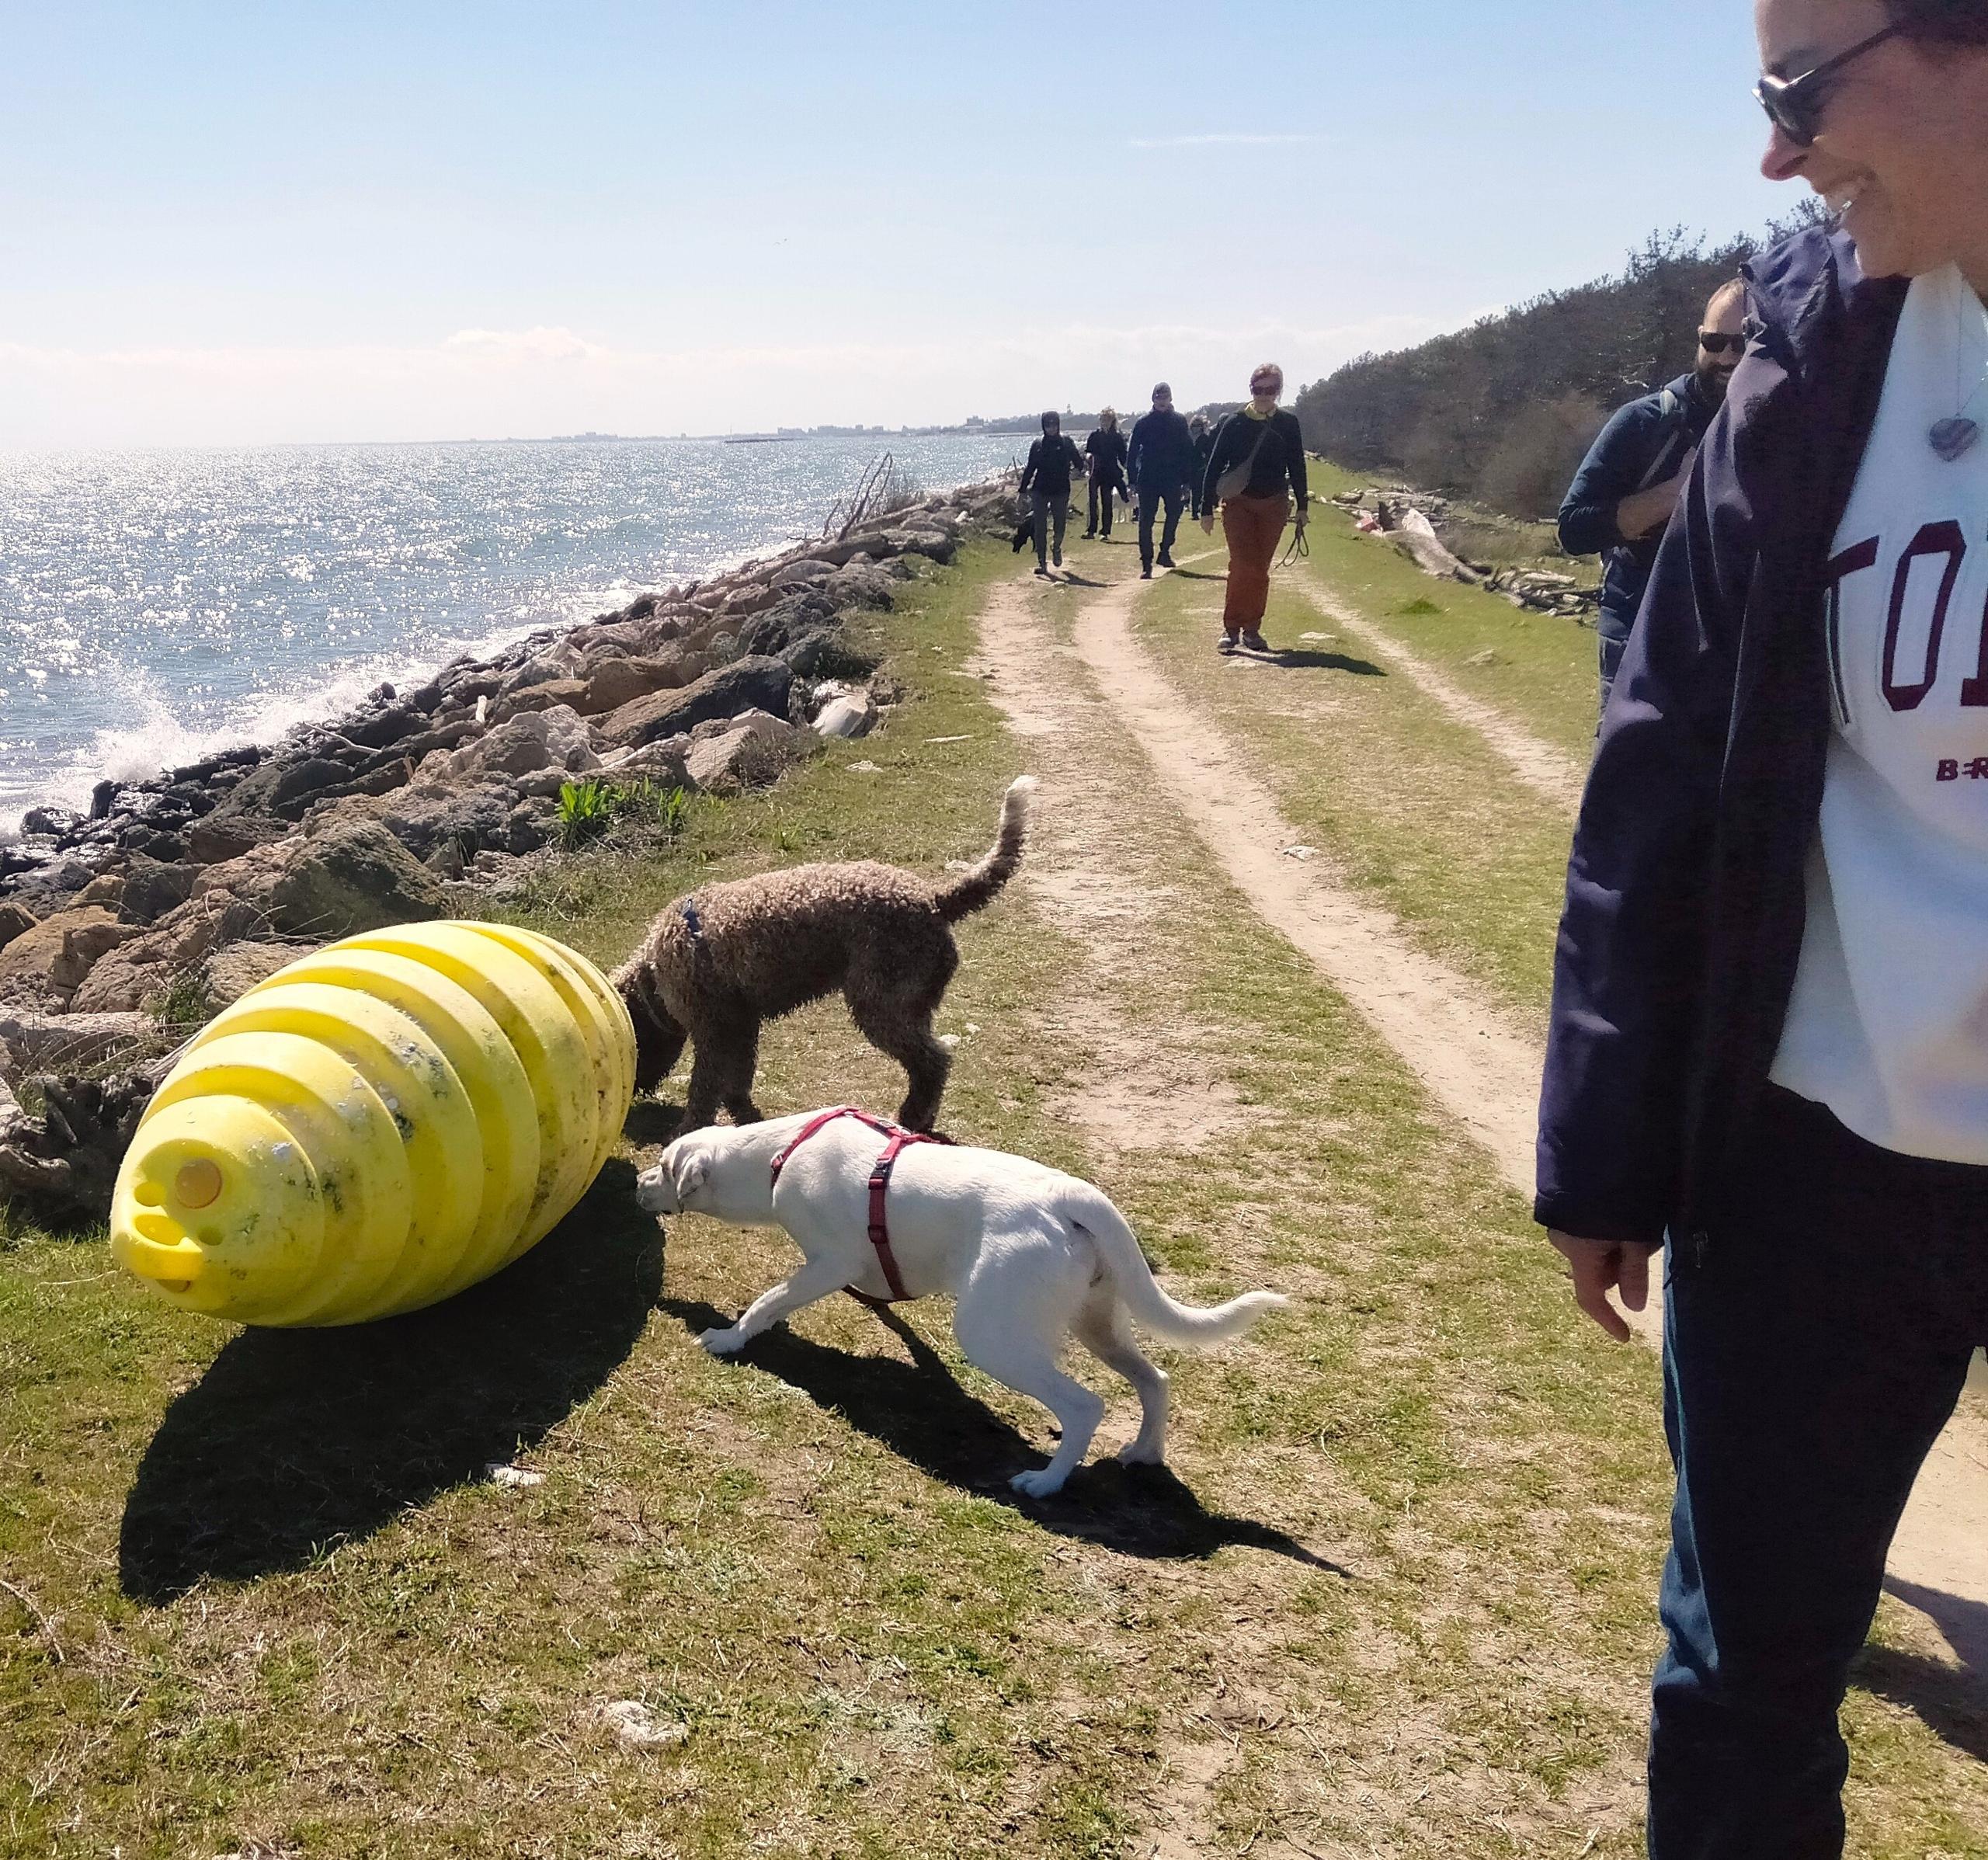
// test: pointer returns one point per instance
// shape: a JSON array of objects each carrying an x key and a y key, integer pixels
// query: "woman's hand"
[
  {"x": 1600, "y": 1267},
  {"x": 1207, "y": 522}
]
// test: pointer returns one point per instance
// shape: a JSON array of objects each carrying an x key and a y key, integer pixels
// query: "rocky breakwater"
[{"x": 122, "y": 927}]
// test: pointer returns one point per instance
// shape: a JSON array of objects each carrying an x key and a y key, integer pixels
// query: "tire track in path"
[
  {"x": 1480, "y": 1070},
  {"x": 1549, "y": 772}
]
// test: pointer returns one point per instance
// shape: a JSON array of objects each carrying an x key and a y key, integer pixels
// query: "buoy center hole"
[{"x": 197, "y": 1184}]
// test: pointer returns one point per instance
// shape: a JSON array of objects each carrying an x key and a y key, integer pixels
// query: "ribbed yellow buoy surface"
[{"x": 376, "y": 1127}]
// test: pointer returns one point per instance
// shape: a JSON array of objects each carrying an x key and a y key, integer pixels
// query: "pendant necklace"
[{"x": 1953, "y": 438}]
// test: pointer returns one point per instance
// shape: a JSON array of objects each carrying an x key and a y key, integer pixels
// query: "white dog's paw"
[
  {"x": 1044, "y": 1484},
  {"x": 727, "y": 1342},
  {"x": 1134, "y": 1454}
]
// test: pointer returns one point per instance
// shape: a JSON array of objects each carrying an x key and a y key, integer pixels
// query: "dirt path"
[
  {"x": 1547, "y": 771},
  {"x": 1480, "y": 1071}
]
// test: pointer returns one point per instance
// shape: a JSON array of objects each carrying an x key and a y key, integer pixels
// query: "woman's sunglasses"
[
  {"x": 1794, "y": 104},
  {"x": 1713, "y": 344}
]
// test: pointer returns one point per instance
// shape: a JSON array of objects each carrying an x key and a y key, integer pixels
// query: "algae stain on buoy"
[{"x": 377, "y": 1127}]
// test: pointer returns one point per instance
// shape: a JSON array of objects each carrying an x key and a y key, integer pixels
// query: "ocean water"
[{"x": 155, "y": 605}]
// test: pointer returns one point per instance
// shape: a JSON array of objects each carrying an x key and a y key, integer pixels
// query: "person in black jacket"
[
  {"x": 1106, "y": 450},
  {"x": 1768, "y": 1048},
  {"x": 1629, "y": 483},
  {"x": 1203, "y": 435},
  {"x": 1163, "y": 461},
  {"x": 1264, "y": 440},
  {"x": 1053, "y": 461}
]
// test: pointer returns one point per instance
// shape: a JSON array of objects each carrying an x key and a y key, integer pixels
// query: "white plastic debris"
[
  {"x": 499, "y": 1474},
  {"x": 1301, "y": 852},
  {"x": 636, "y": 1726}
]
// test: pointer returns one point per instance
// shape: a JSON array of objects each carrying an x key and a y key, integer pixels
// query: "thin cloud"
[{"x": 1221, "y": 140}]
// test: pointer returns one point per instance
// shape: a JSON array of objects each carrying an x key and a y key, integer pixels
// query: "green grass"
[
  {"x": 1399, "y": 1602},
  {"x": 1418, "y": 812},
  {"x": 1541, "y": 668}
]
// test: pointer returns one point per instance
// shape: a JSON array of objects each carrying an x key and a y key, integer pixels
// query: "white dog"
[{"x": 1029, "y": 1254}]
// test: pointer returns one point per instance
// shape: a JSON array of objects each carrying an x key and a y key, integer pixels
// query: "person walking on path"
[
  {"x": 1162, "y": 461},
  {"x": 1053, "y": 461},
  {"x": 1622, "y": 497},
  {"x": 1203, "y": 435},
  {"x": 1255, "y": 469},
  {"x": 1105, "y": 449},
  {"x": 1767, "y": 1051}
]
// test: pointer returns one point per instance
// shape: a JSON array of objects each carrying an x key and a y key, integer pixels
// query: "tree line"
[{"x": 1503, "y": 411}]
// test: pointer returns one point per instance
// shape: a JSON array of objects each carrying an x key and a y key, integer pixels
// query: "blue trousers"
[
  {"x": 1816, "y": 1339},
  {"x": 1151, "y": 498},
  {"x": 1612, "y": 646}
]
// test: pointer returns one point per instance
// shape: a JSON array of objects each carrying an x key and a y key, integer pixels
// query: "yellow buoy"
[{"x": 376, "y": 1126}]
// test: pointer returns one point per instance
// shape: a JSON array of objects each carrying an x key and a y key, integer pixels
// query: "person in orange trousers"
[{"x": 1261, "y": 444}]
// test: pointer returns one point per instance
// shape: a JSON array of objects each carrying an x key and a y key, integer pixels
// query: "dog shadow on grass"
[
  {"x": 919, "y": 1411},
  {"x": 1951, "y": 1702},
  {"x": 294, "y": 1441}
]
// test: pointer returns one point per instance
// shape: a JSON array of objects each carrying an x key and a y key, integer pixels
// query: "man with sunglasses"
[
  {"x": 1622, "y": 497},
  {"x": 1768, "y": 1049}
]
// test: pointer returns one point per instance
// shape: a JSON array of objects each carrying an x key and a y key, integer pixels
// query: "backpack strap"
[{"x": 1669, "y": 413}]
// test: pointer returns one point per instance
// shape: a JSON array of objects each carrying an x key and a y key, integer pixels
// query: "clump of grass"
[
  {"x": 182, "y": 1005},
  {"x": 585, "y": 812},
  {"x": 1417, "y": 606},
  {"x": 589, "y": 808}
]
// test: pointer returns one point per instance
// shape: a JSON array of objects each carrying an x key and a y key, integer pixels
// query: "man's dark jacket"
[
  {"x": 1163, "y": 451},
  {"x": 1052, "y": 461},
  {"x": 1643, "y": 444},
  {"x": 1106, "y": 450},
  {"x": 1685, "y": 905}
]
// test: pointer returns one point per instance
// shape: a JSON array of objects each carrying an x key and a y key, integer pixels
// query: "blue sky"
[{"x": 289, "y": 220}]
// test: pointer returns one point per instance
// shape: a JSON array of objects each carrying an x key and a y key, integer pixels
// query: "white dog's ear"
[{"x": 689, "y": 1169}]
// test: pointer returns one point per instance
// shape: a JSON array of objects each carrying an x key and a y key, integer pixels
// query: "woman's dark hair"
[{"x": 1942, "y": 22}]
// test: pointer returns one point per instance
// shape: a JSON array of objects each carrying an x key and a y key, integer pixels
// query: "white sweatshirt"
[{"x": 1889, "y": 1022}]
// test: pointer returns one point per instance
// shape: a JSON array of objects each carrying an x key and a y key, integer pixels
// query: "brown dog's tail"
[{"x": 975, "y": 890}]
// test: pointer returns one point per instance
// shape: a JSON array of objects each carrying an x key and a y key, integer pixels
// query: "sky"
[{"x": 295, "y": 221}]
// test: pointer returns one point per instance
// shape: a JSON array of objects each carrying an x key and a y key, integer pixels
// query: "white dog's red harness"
[{"x": 880, "y": 1182}]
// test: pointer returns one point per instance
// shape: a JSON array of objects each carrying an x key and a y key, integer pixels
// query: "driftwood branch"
[{"x": 1416, "y": 537}]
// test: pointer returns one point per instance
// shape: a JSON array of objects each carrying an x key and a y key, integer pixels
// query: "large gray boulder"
[
  {"x": 748, "y": 751},
  {"x": 555, "y": 738},
  {"x": 345, "y": 873},
  {"x": 44, "y": 966},
  {"x": 615, "y": 682},
  {"x": 754, "y": 683},
  {"x": 858, "y": 586}
]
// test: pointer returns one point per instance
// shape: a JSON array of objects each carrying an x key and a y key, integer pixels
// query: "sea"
[{"x": 158, "y": 605}]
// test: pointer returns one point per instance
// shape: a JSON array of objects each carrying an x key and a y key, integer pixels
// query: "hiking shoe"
[
  {"x": 1146, "y": 573},
  {"x": 1089, "y": 533},
  {"x": 1226, "y": 644},
  {"x": 1253, "y": 641},
  {"x": 1166, "y": 558},
  {"x": 1057, "y": 558},
  {"x": 1040, "y": 570}
]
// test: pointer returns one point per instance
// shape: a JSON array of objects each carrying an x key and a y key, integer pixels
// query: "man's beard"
[{"x": 1713, "y": 383}]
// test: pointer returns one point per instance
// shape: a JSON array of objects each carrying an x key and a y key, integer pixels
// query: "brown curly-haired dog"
[{"x": 716, "y": 964}]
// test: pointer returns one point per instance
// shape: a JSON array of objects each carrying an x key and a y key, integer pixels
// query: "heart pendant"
[{"x": 1952, "y": 438}]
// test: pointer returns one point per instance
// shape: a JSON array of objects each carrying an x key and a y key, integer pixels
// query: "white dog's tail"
[{"x": 1089, "y": 1209}]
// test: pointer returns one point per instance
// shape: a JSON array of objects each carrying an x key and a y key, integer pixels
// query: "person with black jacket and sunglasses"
[
  {"x": 1622, "y": 497},
  {"x": 1768, "y": 1055}
]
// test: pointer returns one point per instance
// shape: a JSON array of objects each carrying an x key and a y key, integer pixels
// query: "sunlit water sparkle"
[{"x": 156, "y": 606}]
